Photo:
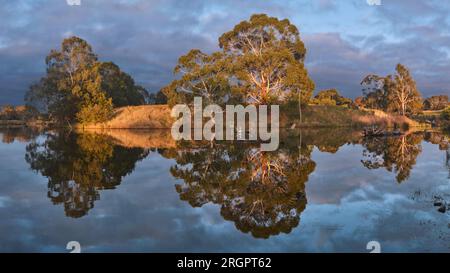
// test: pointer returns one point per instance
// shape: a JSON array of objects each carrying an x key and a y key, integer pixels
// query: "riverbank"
[{"x": 158, "y": 117}]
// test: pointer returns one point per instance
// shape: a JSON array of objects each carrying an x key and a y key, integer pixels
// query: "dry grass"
[
  {"x": 338, "y": 116},
  {"x": 383, "y": 119},
  {"x": 158, "y": 117},
  {"x": 137, "y": 117}
]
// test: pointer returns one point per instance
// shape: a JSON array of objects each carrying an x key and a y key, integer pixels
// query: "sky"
[{"x": 345, "y": 39}]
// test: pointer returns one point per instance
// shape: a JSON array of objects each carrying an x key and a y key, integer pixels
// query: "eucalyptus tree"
[
  {"x": 261, "y": 62},
  {"x": 405, "y": 96},
  {"x": 394, "y": 93},
  {"x": 77, "y": 87},
  {"x": 267, "y": 60}
]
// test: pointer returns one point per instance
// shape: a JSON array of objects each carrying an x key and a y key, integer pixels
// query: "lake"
[{"x": 323, "y": 190}]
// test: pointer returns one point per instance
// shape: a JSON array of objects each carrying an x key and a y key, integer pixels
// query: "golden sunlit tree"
[
  {"x": 393, "y": 93},
  {"x": 261, "y": 62}
]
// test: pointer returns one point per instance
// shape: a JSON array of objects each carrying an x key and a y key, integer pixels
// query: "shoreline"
[{"x": 156, "y": 117}]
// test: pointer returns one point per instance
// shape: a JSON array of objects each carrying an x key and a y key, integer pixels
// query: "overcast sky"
[{"x": 345, "y": 39}]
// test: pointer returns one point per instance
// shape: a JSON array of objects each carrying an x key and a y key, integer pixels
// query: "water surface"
[{"x": 131, "y": 191}]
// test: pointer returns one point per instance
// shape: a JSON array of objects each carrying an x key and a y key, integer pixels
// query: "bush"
[{"x": 95, "y": 113}]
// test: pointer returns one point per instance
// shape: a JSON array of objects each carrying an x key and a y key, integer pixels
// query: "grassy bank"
[
  {"x": 158, "y": 117},
  {"x": 137, "y": 117},
  {"x": 337, "y": 116}
]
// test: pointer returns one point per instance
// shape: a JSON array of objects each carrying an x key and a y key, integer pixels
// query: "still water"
[{"x": 138, "y": 191}]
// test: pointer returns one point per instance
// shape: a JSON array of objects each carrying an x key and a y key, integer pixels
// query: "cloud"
[{"x": 145, "y": 38}]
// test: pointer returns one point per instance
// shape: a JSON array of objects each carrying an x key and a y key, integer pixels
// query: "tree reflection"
[
  {"x": 79, "y": 166},
  {"x": 395, "y": 154},
  {"x": 261, "y": 192},
  {"x": 21, "y": 134}
]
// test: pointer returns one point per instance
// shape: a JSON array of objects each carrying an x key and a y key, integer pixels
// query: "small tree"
[
  {"x": 404, "y": 95},
  {"x": 396, "y": 93},
  {"x": 376, "y": 90},
  {"x": 436, "y": 102}
]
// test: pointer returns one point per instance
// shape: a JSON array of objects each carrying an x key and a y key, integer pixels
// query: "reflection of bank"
[
  {"x": 263, "y": 193},
  {"x": 78, "y": 167},
  {"x": 21, "y": 134}
]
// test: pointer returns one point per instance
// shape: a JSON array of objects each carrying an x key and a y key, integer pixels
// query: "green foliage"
[
  {"x": 79, "y": 88},
  {"x": 201, "y": 75},
  {"x": 120, "y": 86},
  {"x": 94, "y": 105},
  {"x": 375, "y": 91},
  {"x": 332, "y": 97}
]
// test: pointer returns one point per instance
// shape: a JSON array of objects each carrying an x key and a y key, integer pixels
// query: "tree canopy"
[
  {"x": 201, "y": 75},
  {"x": 267, "y": 57},
  {"x": 261, "y": 61},
  {"x": 77, "y": 87}
]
